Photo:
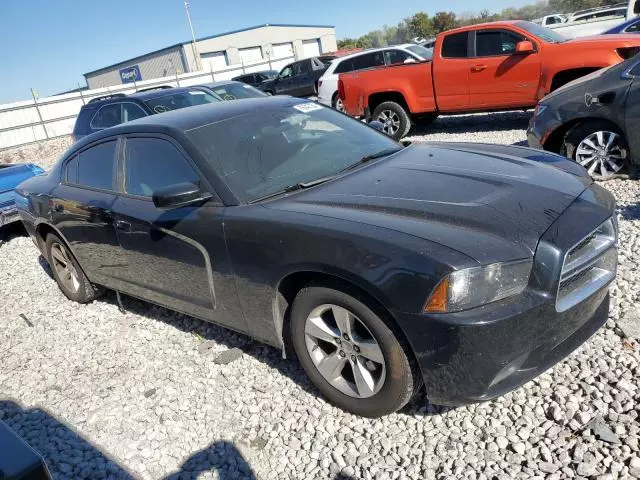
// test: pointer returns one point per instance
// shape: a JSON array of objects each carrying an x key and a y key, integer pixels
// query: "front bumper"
[
  {"x": 8, "y": 213},
  {"x": 482, "y": 353},
  {"x": 464, "y": 359}
]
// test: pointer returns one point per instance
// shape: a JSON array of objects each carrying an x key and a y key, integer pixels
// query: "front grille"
[{"x": 588, "y": 266}]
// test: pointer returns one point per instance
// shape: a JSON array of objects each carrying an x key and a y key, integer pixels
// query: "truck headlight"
[{"x": 472, "y": 287}]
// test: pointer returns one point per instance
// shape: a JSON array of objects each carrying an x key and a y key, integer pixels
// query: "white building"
[{"x": 254, "y": 47}]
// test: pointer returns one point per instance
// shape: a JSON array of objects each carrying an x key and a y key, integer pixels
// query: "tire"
[
  {"x": 387, "y": 380},
  {"x": 336, "y": 102},
  {"x": 394, "y": 117},
  {"x": 606, "y": 162},
  {"x": 77, "y": 286}
]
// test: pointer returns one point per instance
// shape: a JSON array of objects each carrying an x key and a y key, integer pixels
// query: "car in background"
[
  {"x": 376, "y": 57},
  {"x": 256, "y": 78},
  {"x": 11, "y": 175},
  {"x": 630, "y": 26},
  {"x": 548, "y": 20},
  {"x": 594, "y": 21},
  {"x": 468, "y": 268},
  {"x": 594, "y": 120},
  {"x": 485, "y": 67},
  {"x": 109, "y": 110},
  {"x": 231, "y": 90},
  {"x": 298, "y": 79}
]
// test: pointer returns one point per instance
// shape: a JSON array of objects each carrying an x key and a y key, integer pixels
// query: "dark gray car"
[{"x": 592, "y": 121}]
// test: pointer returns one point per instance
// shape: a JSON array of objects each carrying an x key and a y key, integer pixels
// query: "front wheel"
[
  {"x": 394, "y": 117},
  {"x": 349, "y": 352},
  {"x": 599, "y": 147}
]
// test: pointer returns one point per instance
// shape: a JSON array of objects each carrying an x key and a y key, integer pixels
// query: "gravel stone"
[{"x": 105, "y": 395}]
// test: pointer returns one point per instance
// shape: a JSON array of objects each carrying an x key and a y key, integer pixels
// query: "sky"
[{"x": 48, "y": 44}]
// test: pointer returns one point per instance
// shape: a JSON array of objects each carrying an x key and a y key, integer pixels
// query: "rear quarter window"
[
  {"x": 82, "y": 122},
  {"x": 456, "y": 45}
]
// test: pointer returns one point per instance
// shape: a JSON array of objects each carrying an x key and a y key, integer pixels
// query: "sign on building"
[{"x": 130, "y": 74}]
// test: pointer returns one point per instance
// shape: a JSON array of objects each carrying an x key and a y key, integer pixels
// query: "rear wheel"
[
  {"x": 67, "y": 273},
  {"x": 337, "y": 103},
  {"x": 394, "y": 117},
  {"x": 349, "y": 352},
  {"x": 598, "y": 146}
]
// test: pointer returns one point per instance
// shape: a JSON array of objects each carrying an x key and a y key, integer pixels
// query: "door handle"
[
  {"x": 478, "y": 68},
  {"x": 122, "y": 225}
]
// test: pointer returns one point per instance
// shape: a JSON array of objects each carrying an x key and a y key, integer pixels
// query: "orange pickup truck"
[{"x": 487, "y": 67}]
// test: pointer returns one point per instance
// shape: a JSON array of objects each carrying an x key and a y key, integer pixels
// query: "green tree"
[
  {"x": 443, "y": 21},
  {"x": 419, "y": 26}
]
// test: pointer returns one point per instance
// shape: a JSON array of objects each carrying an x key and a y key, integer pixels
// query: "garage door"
[
  {"x": 311, "y": 48},
  {"x": 251, "y": 54},
  {"x": 214, "y": 61},
  {"x": 282, "y": 50}
]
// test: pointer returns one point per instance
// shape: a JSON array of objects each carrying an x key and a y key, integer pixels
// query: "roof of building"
[{"x": 255, "y": 27}]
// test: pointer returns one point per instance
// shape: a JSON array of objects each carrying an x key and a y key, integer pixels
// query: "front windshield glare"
[
  {"x": 541, "y": 32},
  {"x": 258, "y": 154},
  {"x": 233, "y": 91}
]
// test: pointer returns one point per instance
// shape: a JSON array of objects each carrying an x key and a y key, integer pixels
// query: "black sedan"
[
  {"x": 299, "y": 79},
  {"x": 469, "y": 268},
  {"x": 594, "y": 121},
  {"x": 231, "y": 90}
]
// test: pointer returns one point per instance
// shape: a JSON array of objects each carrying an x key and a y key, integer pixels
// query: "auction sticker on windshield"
[{"x": 307, "y": 107}]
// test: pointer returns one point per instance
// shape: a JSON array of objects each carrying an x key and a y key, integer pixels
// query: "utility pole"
[{"x": 194, "y": 46}]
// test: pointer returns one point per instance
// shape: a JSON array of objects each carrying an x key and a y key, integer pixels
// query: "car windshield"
[
  {"x": 423, "y": 52},
  {"x": 266, "y": 150},
  {"x": 541, "y": 32},
  {"x": 233, "y": 91},
  {"x": 175, "y": 101}
]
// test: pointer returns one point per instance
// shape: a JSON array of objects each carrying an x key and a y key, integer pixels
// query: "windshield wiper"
[
  {"x": 373, "y": 156},
  {"x": 293, "y": 188}
]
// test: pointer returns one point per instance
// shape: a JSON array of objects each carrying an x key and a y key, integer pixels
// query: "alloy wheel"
[
  {"x": 390, "y": 120},
  {"x": 64, "y": 268},
  {"x": 344, "y": 351},
  {"x": 339, "y": 105},
  {"x": 600, "y": 153}
]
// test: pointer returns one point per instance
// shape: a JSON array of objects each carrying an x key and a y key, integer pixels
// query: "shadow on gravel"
[
  {"x": 630, "y": 212},
  {"x": 68, "y": 455},
  {"x": 473, "y": 123},
  {"x": 11, "y": 231}
]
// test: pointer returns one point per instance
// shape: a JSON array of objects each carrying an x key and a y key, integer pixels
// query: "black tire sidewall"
[
  {"x": 86, "y": 293},
  {"x": 583, "y": 130},
  {"x": 398, "y": 385},
  {"x": 405, "y": 121}
]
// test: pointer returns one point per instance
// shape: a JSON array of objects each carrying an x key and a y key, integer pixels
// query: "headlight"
[
  {"x": 472, "y": 287},
  {"x": 539, "y": 109}
]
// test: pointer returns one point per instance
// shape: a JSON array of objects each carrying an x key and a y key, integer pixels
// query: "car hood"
[
  {"x": 490, "y": 202},
  {"x": 11, "y": 176}
]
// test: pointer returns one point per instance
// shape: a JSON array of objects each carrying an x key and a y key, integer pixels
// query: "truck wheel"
[
  {"x": 394, "y": 117},
  {"x": 349, "y": 352},
  {"x": 598, "y": 146}
]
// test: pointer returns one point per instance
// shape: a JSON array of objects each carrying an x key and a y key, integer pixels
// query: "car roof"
[
  {"x": 138, "y": 96},
  {"x": 220, "y": 83},
  {"x": 371, "y": 50},
  {"x": 192, "y": 117}
]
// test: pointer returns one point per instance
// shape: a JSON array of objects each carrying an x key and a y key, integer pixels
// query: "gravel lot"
[{"x": 108, "y": 395}]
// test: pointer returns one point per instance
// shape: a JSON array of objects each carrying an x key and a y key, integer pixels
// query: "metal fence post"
[
  {"x": 177, "y": 79},
  {"x": 35, "y": 102},
  {"x": 213, "y": 79},
  {"x": 81, "y": 95}
]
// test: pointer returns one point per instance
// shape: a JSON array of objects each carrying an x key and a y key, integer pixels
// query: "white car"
[{"x": 374, "y": 57}]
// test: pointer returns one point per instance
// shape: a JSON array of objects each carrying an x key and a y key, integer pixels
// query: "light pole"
[{"x": 194, "y": 46}]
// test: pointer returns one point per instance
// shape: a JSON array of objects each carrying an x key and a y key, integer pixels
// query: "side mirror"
[
  {"x": 524, "y": 47},
  {"x": 375, "y": 124},
  {"x": 179, "y": 195},
  {"x": 410, "y": 60}
]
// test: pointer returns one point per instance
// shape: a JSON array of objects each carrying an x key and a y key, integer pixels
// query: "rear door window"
[
  {"x": 95, "y": 167},
  {"x": 456, "y": 45},
  {"x": 107, "y": 116},
  {"x": 369, "y": 60},
  {"x": 153, "y": 163},
  {"x": 393, "y": 57}
]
